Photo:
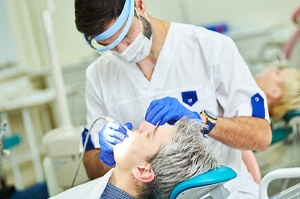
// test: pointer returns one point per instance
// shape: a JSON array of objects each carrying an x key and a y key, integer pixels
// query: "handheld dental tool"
[
  {"x": 157, "y": 125},
  {"x": 107, "y": 119}
]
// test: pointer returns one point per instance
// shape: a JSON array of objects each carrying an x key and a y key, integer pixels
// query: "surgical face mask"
[{"x": 139, "y": 49}]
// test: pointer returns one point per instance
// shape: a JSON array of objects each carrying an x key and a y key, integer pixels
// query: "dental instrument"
[{"x": 157, "y": 125}]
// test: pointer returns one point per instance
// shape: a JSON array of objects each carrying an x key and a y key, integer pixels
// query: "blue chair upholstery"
[
  {"x": 291, "y": 114},
  {"x": 280, "y": 134},
  {"x": 209, "y": 182}
]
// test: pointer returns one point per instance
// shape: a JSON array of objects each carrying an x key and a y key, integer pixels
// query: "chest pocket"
[
  {"x": 189, "y": 97},
  {"x": 195, "y": 98}
]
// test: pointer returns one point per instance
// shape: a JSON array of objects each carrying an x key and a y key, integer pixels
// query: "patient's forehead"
[
  {"x": 160, "y": 133},
  {"x": 274, "y": 75}
]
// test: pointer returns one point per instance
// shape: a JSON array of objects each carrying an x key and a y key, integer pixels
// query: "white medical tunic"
[
  {"x": 90, "y": 190},
  {"x": 201, "y": 68}
]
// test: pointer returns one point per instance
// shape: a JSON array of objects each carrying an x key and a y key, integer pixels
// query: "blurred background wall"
[{"x": 24, "y": 19}]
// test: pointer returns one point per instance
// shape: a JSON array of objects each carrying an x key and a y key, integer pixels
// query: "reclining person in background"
[
  {"x": 282, "y": 88},
  {"x": 163, "y": 157}
]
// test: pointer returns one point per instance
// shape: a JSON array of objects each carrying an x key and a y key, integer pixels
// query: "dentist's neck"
[{"x": 159, "y": 30}]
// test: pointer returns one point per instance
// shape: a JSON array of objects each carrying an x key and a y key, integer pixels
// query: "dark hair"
[{"x": 92, "y": 16}]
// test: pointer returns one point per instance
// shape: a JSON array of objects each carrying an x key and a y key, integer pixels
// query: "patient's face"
[
  {"x": 272, "y": 77},
  {"x": 141, "y": 143}
]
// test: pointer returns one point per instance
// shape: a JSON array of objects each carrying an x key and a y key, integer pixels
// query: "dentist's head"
[{"x": 121, "y": 26}]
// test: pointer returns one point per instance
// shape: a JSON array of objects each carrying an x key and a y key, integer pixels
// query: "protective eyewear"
[{"x": 126, "y": 14}]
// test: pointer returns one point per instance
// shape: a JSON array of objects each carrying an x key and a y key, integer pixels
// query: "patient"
[
  {"x": 282, "y": 88},
  {"x": 153, "y": 161}
]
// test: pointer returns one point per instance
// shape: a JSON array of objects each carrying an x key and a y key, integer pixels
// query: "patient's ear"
[
  {"x": 143, "y": 173},
  {"x": 275, "y": 93}
]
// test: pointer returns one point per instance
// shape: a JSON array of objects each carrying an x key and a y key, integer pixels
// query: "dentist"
[{"x": 186, "y": 68}]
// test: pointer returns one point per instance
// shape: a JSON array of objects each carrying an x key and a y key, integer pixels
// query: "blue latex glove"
[
  {"x": 168, "y": 110},
  {"x": 111, "y": 134}
]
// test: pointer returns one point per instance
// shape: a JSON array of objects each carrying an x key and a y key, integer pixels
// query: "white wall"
[
  {"x": 7, "y": 45},
  {"x": 25, "y": 18},
  {"x": 70, "y": 43},
  {"x": 72, "y": 48},
  {"x": 249, "y": 13}
]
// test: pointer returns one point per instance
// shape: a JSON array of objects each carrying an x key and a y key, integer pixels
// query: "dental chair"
[
  {"x": 7, "y": 142},
  {"x": 292, "y": 119},
  {"x": 207, "y": 185},
  {"x": 290, "y": 193},
  {"x": 285, "y": 52},
  {"x": 289, "y": 130}
]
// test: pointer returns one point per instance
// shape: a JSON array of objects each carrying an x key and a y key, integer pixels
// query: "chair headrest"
[
  {"x": 291, "y": 114},
  {"x": 219, "y": 175}
]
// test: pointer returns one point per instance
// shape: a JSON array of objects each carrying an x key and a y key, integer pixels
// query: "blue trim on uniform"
[
  {"x": 89, "y": 145},
  {"x": 258, "y": 106},
  {"x": 189, "y": 97}
]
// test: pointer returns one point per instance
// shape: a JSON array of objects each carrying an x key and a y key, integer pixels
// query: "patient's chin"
[{"x": 121, "y": 148}]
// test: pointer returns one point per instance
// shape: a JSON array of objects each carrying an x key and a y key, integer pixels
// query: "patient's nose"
[{"x": 146, "y": 126}]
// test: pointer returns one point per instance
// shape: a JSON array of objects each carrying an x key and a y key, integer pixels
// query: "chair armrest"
[{"x": 276, "y": 174}]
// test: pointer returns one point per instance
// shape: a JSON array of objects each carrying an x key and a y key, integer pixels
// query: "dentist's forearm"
[
  {"x": 94, "y": 167},
  {"x": 243, "y": 133}
]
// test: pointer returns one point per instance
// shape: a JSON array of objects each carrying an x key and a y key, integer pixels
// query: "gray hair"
[{"x": 189, "y": 154}]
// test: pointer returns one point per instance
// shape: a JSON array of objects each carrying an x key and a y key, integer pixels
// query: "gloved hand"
[
  {"x": 111, "y": 134},
  {"x": 168, "y": 110}
]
